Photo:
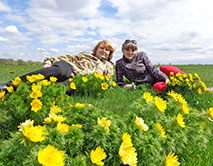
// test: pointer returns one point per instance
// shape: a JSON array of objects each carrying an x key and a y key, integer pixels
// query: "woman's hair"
[
  {"x": 130, "y": 44},
  {"x": 108, "y": 45}
]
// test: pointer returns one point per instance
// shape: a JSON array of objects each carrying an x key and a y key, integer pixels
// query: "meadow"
[{"x": 148, "y": 144}]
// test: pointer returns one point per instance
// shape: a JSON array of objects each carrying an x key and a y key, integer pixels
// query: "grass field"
[{"x": 120, "y": 105}]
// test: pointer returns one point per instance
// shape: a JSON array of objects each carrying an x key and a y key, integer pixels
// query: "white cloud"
[
  {"x": 12, "y": 29},
  {"x": 2, "y": 39},
  {"x": 4, "y": 7}
]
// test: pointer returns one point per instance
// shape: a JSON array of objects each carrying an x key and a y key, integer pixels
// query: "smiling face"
[
  {"x": 102, "y": 52},
  {"x": 129, "y": 53}
]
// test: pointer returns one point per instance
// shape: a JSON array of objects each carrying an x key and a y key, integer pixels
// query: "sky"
[{"x": 169, "y": 31}]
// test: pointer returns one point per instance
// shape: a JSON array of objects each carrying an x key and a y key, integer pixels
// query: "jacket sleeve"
[
  {"x": 157, "y": 74},
  {"x": 119, "y": 74}
]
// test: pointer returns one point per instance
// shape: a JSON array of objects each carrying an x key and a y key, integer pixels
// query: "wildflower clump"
[{"x": 91, "y": 84}]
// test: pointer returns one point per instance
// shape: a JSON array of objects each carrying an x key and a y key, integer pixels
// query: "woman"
[
  {"x": 67, "y": 66},
  {"x": 136, "y": 67}
]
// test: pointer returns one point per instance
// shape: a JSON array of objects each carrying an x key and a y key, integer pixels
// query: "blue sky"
[{"x": 170, "y": 32}]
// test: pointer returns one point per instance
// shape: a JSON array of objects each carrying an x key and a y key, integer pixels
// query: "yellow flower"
[
  {"x": 84, "y": 79},
  {"x": 196, "y": 76},
  {"x": 180, "y": 121},
  {"x": 62, "y": 127},
  {"x": 161, "y": 129},
  {"x": 127, "y": 151},
  {"x": 104, "y": 123},
  {"x": 171, "y": 160},
  {"x": 45, "y": 82},
  {"x": 107, "y": 77},
  {"x": 48, "y": 120},
  {"x": 77, "y": 125},
  {"x": 100, "y": 76},
  {"x": 32, "y": 78},
  {"x": 114, "y": 83},
  {"x": 104, "y": 86},
  {"x": 70, "y": 79},
  {"x": 2, "y": 93},
  {"x": 97, "y": 156},
  {"x": 34, "y": 133},
  {"x": 148, "y": 97},
  {"x": 54, "y": 109},
  {"x": 190, "y": 77},
  {"x": 16, "y": 81},
  {"x": 72, "y": 85},
  {"x": 10, "y": 89},
  {"x": 96, "y": 75},
  {"x": 211, "y": 111},
  {"x": 53, "y": 79},
  {"x": 40, "y": 77},
  {"x": 51, "y": 156},
  {"x": 140, "y": 122},
  {"x": 36, "y": 105},
  {"x": 160, "y": 104},
  {"x": 35, "y": 94},
  {"x": 26, "y": 123},
  {"x": 185, "y": 108},
  {"x": 80, "y": 105},
  {"x": 36, "y": 87},
  {"x": 199, "y": 91},
  {"x": 58, "y": 118}
]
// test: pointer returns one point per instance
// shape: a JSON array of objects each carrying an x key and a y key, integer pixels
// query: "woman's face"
[
  {"x": 129, "y": 53},
  {"x": 102, "y": 52}
]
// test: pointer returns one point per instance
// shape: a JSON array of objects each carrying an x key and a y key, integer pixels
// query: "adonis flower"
[
  {"x": 160, "y": 104},
  {"x": 107, "y": 77},
  {"x": 84, "y": 79},
  {"x": 26, "y": 123},
  {"x": 45, "y": 82},
  {"x": 16, "y": 81},
  {"x": 32, "y": 78},
  {"x": 100, "y": 76},
  {"x": 127, "y": 151},
  {"x": 185, "y": 108},
  {"x": 148, "y": 97},
  {"x": 140, "y": 122},
  {"x": 161, "y": 129},
  {"x": 55, "y": 109},
  {"x": 72, "y": 85},
  {"x": 51, "y": 156},
  {"x": 58, "y": 118},
  {"x": 34, "y": 133},
  {"x": 35, "y": 94},
  {"x": 80, "y": 105},
  {"x": 180, "y": 121},
  {"x": 62, "y": 127},
  {"x": 2, "y": 93},
  {"x": 36, "y": 87},
  {"x": 98, "y": 155},
  {"x": 114, "y": 83},
  {"x": 53, "y": 79},
  {"x": 171, "y": 160},
  {"x": 10, "y": 89},
  {"x": 104, "y": 86},
  {"x": 105, "y": 123},
  {"x": 211, "y": 111},
  {"x": 36, "y": 105},
  {"x": 77, "y": 125}
]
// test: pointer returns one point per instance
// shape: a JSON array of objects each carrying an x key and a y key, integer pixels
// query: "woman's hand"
[
  {"x": 130, "y": 86},
  {"x": 46, "y": 65}
]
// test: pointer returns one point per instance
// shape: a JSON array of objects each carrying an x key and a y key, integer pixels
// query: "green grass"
[{"x": 121, "y": 102}]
